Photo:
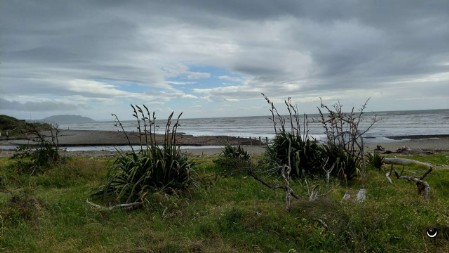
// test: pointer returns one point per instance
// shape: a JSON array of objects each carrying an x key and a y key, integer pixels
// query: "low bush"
[
  {"x": 341, "y": 155},
  {"x": 133, "y": 176},
  {"x": 344, "y": 165},
  {"x": 305, "y": 154},
  {"x": 375, "y": 160},
  {"x": 45, "y": 153},
  {"x": 234, "y": 158}
]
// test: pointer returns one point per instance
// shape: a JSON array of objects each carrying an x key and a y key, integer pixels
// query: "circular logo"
[{"x": 432, "y": 232}]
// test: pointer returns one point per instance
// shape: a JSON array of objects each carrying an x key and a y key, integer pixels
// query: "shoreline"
[
  {"x": 413, "y": 145},
  {"x": 116, "y": 138},
  {"x": 211, "y": 145},
  {"x": 416, "y": 137}
]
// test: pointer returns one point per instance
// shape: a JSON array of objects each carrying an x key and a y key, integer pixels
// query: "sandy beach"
[
  {"x": 415, "y": 145},
  {"x": 211, "y": 145},
  {"x": 107, "y": 138},
  {"x": 202, "y": 145}
]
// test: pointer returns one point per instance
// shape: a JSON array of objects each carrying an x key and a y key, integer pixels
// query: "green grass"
[{"x": 220, "y": 213}]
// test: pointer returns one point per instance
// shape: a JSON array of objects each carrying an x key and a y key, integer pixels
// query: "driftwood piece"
[
  {"x": 405, "y": 161},
  {"x": 423, "y": 186},
  {"x": 127, "y": 206},
  {"x": 361, "y": 196},
  {"x": 273, "y": 187}
]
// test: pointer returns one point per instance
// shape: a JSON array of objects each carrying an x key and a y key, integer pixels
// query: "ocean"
[{"x": 403, "y": 124}]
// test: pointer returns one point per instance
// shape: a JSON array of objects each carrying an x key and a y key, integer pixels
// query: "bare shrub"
[
  {"x": 344, "y": 145},
  {"x": 42, "y": 153}
]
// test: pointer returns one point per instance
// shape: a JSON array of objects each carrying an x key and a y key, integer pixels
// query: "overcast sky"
[{"x": 214, "y": 58}]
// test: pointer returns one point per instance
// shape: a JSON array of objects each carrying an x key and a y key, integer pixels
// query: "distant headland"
[{"x": 66, "y": 119}]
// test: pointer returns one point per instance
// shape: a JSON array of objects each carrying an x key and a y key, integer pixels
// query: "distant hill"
[
  {"x": 9, "y": 123},
  {"x": 16, "y": 127},
  {"x": 66, "y": 119}
]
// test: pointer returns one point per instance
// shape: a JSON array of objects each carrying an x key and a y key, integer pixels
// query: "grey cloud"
[
  {"x": 282, "y": 47},
  {"x": 106, "y": 34},
  {"x": 7, "y": 105}
]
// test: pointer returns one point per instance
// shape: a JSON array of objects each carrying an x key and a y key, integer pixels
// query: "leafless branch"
[
  {"x": 273, "y": 187},
  {"x": 423, "y": 186}
]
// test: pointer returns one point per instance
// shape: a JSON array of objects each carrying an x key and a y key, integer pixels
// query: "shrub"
[
  {"x": 341, "y": 155},
  {"x": 345, "y": 166},
  {"x": 305, "y": 155},
  {"x": 43, "y": 154},
  {"x": 293, "y": 148},
  {"x": 134, "y": 175},
  {"x": 375, "y": 160},
  {"x": 344, "y": 146},
  {"x": 235, "y": 153},
  {"x": 234, "y": 158}
]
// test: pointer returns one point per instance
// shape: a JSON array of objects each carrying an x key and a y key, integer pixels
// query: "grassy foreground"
[{"x": 221, "y": 213}]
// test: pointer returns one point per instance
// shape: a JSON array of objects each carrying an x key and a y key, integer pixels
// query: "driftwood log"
[
  {"x": 127, "y": 206},
  {"x": 423, "y": 186},
  {"x": 404, "y": 161}
]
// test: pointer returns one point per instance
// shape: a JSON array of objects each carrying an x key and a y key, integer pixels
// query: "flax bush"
[
  {"x": 155, "y": 167},
  {"x": 342, "y": 154},
  {"x": 293, "y": 147}
]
